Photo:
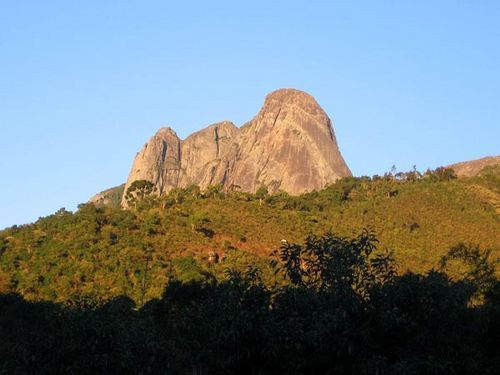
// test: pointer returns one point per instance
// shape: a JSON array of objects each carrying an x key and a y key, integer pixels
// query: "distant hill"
[
  {"x": 474, "y": 167},
  {"x": 110, "y": 197}
]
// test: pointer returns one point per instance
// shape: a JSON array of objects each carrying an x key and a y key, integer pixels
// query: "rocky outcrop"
[
  {"x": 110, "y": 197},
  {"x": 290, "y": 145},
  {"x": 474, "y": 167},
  {"x": 204, "y": 155},
  {"x": 159, "y": 161}
]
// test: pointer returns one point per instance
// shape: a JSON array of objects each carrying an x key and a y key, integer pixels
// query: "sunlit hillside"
[{"x": 104, "y": 252}]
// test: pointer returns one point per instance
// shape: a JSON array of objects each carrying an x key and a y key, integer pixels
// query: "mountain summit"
[{"x": 290, "y": 145}]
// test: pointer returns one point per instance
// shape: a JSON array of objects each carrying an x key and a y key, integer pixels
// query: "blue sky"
[{"x": 83, "y": 84}]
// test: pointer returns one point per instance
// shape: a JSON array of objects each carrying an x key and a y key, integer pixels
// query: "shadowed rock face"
[{"x": 290, "y": 145}]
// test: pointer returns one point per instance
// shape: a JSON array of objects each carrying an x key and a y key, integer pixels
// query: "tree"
[
  {"x": 177, "y": 194},
  {"x": 193, "y": 191},
  {"x": 147, "y": 258},
  {"x": 445, "y": 174},
  {"x": 393, "y": 170},
  {"x": 151, "y": 222},
  {"x": 137, "y": 191},
  {"x": 261, "y": 193},
  {"x": 213, "y": 191},
  {"x": 198, "y": 219},
  {"x": 473, "y": 264},
  {"x": 338, "y": 264},
  {"x": 413, "y": 175},
  {"x": 5, "y": 282}
]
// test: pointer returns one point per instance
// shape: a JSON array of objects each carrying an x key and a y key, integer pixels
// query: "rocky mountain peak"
[
  {"x": 166, "y": 132},
  {"x": 289, "y": 145},
  {"x": 290, "y": 109},
  {"x": 292, "y": 97}
]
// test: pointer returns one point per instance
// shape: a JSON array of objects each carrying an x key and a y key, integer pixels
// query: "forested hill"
[{"x": 102, "y": 252}]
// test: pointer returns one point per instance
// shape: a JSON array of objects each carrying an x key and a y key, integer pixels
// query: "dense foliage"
[
  {"x": 341, "y": 310},
  {"x": 191, "y": 282},
  {"x": 104, "y": 252}
]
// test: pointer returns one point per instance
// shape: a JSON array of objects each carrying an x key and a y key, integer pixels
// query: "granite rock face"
[
  {"x": 159, "y": 161},
  {"x": 290, "y": 145},
  {"x": 204, "y": 155}
]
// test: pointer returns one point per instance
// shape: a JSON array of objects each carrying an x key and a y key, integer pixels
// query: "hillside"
[
  {"x": 110, "y": 197},
  {"x": 102, "y": 252},
  {"x": 472, "y": 168}
]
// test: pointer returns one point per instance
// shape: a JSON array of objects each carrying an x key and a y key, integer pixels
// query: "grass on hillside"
[{"x": 102, "y": 252}]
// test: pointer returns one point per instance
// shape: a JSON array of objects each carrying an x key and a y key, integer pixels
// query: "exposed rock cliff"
[
  {"x": 290, "y": 145},
  {"x": 204, "y": 155},
  {"x": 159, "y": 161}
]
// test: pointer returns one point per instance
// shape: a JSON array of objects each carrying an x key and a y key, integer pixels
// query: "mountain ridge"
[
  {"x": 289, "y": 145},
  {"x": 471, "y": 168}
]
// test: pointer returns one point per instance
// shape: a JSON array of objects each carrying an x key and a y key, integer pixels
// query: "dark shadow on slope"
[{"x": 342, "y": 312}]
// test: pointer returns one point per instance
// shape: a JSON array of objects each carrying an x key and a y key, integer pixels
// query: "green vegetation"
[
  {"x": 214, "y": 282},
  {"x": 110, "y": 197},
  {"x": 137, "y": 191},
  {"x": 105, "y": 252}
]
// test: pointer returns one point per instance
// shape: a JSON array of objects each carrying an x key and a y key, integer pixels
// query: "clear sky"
[{"x": 83, "y": 84}]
